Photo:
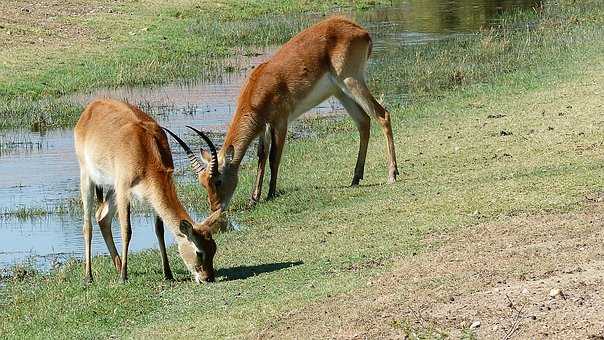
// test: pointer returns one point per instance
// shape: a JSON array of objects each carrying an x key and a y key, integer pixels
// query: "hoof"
[
  {"x": 252, "y": 203},
  {"x": 272, "y": 195},
  {"x": 168, "y": 276},
  {"x": 88, "y": 279},
  {"x": 356, "y": 180},
  {"x": 117, "y": 262},
  {"x": 392, "y": 176}
]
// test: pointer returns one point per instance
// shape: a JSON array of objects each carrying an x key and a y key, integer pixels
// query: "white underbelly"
[
  {"x": 100, "y": 177},
  {"x": 323, "y": 89},
  {"x": 106, "y": 179}
]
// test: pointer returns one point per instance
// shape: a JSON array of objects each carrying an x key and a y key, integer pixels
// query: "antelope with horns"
[
  {"x": 124, "y": 151},
  {"x": 327, "y": 59}
]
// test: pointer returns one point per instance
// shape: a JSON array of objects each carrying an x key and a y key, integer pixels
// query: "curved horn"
[
  {"x": 214, "y": 161},
  {"x": 194, "y": 160}
]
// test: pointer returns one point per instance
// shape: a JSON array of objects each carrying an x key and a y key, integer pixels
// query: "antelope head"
[
  {"x": 215, "y": 172},
  {"x": 200, "y": 257}
]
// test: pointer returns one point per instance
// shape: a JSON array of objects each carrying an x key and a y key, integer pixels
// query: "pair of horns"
[{"x": 197, "y": 167}]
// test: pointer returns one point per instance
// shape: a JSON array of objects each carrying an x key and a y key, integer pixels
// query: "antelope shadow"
[
  {"x": 244, "y": 272},
  {"x": 228, "y": 274}
]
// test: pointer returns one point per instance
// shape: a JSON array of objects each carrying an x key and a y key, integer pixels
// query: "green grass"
[{"x": 320, "y": 237}]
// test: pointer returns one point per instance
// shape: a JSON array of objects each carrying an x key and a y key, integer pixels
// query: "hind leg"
[
  {"x": 361, "y": 120},
  {"x": 356, "y": 89},
  {"x": 104, "y": 216}
]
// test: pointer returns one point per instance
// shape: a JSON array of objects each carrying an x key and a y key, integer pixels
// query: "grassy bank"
[
  {"x": 56, "y": 48},
  {"x": 505, "y": 123}
]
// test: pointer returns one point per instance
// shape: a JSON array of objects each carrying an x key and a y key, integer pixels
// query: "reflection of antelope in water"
[
  {"x": 122, "y": 149},
  {"x": 327, "y": 59}
]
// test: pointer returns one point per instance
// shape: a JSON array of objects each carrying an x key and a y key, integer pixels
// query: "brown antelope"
[
  {"x": 327, "y": 59},
  {"x": 121, "y": 149}
]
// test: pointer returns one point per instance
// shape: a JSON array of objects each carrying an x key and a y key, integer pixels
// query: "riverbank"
[
  {"x": 55, "y": 48},
  {"x": 511, "y": 146}
]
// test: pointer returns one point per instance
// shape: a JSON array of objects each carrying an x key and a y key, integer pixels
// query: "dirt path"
[{"x": 502, "y": 276}]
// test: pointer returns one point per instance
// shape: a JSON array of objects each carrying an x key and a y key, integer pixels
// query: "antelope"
[
  {"x": 327, "y": 59},
  {"x": 123, "y": 150}
]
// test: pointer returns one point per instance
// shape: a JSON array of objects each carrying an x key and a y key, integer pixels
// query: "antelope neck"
[
  {"x": 167, "y": 205},
  {"x": 243, "y": 129}
]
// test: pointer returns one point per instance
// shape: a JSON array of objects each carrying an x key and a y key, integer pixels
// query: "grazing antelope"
[
  {"x": 327, "y": 59},
  {"x": 122, "y": 149}
]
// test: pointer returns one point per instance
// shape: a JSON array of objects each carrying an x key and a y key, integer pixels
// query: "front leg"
[
  {"x": 278, "y": 142},
  {"x": 87, "y": 192},
  {"x": 123, "y": 212},
  {"x": 159, "y": 232},
  {"x": 264, "y": 143}
]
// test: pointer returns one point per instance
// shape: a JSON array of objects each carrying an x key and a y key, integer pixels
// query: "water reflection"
[
  {"x": 443, "y": 16},
  {"x": 424, "y": 21},
  {"x": 46, "y": 241},
  {"x": 208, "y": 105}
]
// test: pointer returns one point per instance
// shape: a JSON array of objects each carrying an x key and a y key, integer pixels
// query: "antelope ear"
[
  {"x": 205, "y": 156},
  {"x": 229, "y": 154},
  {"x": 186, "y": 228},
  {"x": 213, "y": 222}
]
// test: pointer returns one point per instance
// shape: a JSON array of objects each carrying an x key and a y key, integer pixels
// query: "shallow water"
[
  {"x": 40, "y": 169},
  {"x": 40, "y": 176},
  {"x": 51, "y": 239}
]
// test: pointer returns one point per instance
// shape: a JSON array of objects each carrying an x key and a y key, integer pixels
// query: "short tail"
[{"x": 99, "y": 193}]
